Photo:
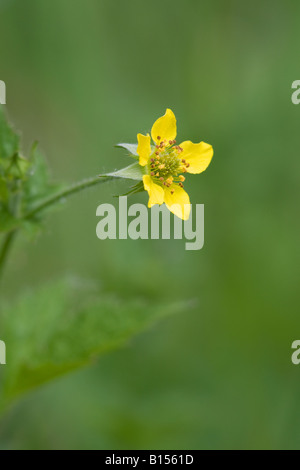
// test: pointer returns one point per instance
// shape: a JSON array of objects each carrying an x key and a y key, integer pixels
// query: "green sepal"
[
  {"x": 131, "y": 172},
  {"x": 132, "y": 149},
  {"x": 137, "y": 188}
]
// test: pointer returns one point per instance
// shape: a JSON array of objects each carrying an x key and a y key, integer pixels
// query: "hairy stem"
[
  {"x": 5, "y": 248},
  {"x": 61, "y": 195}
]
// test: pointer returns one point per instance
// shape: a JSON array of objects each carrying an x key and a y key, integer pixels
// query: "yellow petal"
[
  {"x": 165, "y": 127},
  {"x": 144, "y": 148},
  {"x": 156, "y": 192},
  {"x": 178, "y": 202},
  {"x": 197, "y": 155}
]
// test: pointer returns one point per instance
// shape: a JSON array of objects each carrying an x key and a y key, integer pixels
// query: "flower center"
[{"x": 166, "y": 165}]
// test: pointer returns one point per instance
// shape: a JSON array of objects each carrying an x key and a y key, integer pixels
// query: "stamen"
[{"x": 165, "y": 165}]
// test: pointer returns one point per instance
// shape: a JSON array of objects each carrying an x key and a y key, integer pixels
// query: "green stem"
[
  {"x": 9, "y": 238},
  {"x": 61, "y": 195},
  {"x": 75, "y": 188}
]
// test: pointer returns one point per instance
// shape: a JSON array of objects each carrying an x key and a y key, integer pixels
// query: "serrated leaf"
[
  {"x": 132, "y": 172},
  {"x": 63, "y": 326}
]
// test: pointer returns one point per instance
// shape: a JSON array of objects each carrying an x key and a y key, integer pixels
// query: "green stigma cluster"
[{"x": 165, "y": 164}]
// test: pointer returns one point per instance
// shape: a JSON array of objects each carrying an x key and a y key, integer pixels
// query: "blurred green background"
[{"x": 83, "y": 75}]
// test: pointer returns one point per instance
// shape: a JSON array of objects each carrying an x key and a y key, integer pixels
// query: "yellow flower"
[{"x": 166, "y": 162}]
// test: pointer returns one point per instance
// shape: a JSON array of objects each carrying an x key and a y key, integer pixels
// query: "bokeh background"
[{"x": 83, "y": 75}]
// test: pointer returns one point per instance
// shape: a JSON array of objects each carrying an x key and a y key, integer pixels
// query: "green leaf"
[
  {"x": 9, "y": 140},
  {"x": 132, "y": 172},
  {"x": 64, "y": 326},
  {"x": 8, "y": 222}
]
